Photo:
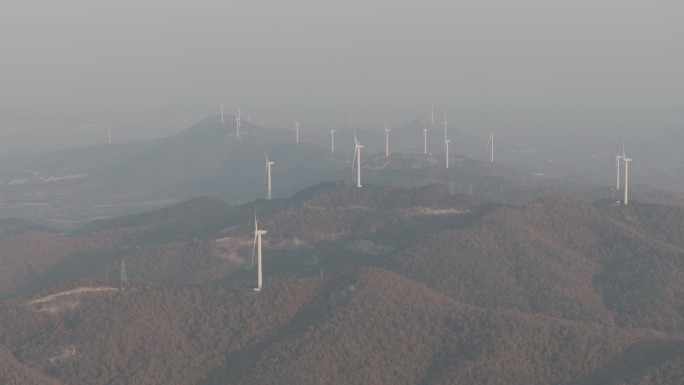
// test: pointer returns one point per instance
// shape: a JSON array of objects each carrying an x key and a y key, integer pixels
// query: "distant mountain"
[{"x": 71, "y": 187}]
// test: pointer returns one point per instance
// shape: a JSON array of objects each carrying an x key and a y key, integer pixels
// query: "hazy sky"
[{"x": 121, "y": 59}]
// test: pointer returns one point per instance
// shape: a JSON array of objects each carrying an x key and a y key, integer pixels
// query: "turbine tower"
[
  {"x": 238, "y": 121},
  {"x": 257, "y": 244},
  {"x": 296, "y": 132},
  {"x": 490, "y": 144},
  {"x": 627, "y": 160},
  {"x": 268, "y": 177},
  {"x": 387, "y": 140},
  {"x": 446, "y": 151},
  {"x": 425, "y": 131},
  {"x": 237, "y": 127},
  {"x": 617, "y": 166},
  {"x": 221, "y": 113},
  {"x": 357, "y": 158},
  {"x": 332, "y": 141}
]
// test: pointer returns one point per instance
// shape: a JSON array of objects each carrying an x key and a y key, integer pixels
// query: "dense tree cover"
[
  {"x": 13, "y": 372},
  {"x": 148, "y": 335},
  {"x": 559, "y": 257},
  {"x": 367, "y": 326},
  {"x": 556, "y": 291},
  {"x": 26, "y": 256}
]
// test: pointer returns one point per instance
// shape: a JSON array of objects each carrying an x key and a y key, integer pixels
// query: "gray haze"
[{"x": 154, "y": 65}]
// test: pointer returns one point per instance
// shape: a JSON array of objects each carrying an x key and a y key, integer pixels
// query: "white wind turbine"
[
  {"x": 446, "y": 151},
  {"x": 221, "y": 113},
  {"x": 296, "y": 132},
  {"x": 387, "y": 140},
  {"x": 357, "y": 158},
  {"x": 332, "y": 141},
  {"x": 257, "y": 245},
  {"x": 425, "y": 131},
  {"x": 268, "y": 177},
  {"x": 490, "y": 144}
]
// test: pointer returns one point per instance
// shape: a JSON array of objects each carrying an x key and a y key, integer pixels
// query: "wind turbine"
[
  {"x": 387, "y": 140},
  {"x": 357, "y": 158},
  {"x": 446, "y": 151},
  {"x": 490, "y": 142},
  {"x": 221, "y": 113},
  {"x": 627, "y": 160},
  {"x": 332, "y": 141},
  {"x": 257, "y": 245},
  {"x": 296, "y": 132},
  {"x": 268, "y": 177},
  {"x": 425, "y": 131}
]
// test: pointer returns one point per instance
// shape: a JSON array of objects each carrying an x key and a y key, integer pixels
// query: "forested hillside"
[{"x": 374, "y": 285}]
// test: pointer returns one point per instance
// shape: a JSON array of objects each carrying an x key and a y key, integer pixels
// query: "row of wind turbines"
[
  {"x": 356, "y": 162},
  {"x": 358, "y": 146}
]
